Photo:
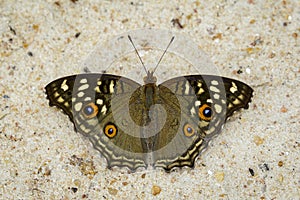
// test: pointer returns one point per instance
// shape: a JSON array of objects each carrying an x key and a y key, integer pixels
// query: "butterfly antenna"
[
  {"x": 136, "y": 51},
  {"x": 172, "y": 39}
]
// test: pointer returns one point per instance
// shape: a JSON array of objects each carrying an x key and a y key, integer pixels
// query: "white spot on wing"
[
  {"x": 200, "y": 91},
  {"x": 233, "y": 88},
  {"x": 241, "y": 97},
  {"x": 214, "y": 89},
  {"x": 203, "y": 123},
  {"x": 218, "y": 108},
  {"x": 86, "y": 130},
  {"x": 187, "y": 87},
  {"x": 83, "y": 87},
  {"x": 104, "y": 109},
  {"x": 216, "y": 96},
  {"x": 214, "y": 82},
  {"x": 64, "y": 86},
  {"x": 56, "y": 94},
  {"x": 111, "y": 87},
  {"x": 66, "y": 104},
  {"x": 80, "y": 94},
  {"x": 84, "y": 80},
  {"x": 197, "y": 103},
  {"x": 236, "y": 101},
  {"x": 97, "y": 89},
  {"x": 193, "y": 112},
  {"x": 209, "y": 101},
  {"x": 78, "y": 106},
  {"x": 87, "y": 99},
  {"x": 99, "y": 101},
  {"x": 60, "y": 100}
]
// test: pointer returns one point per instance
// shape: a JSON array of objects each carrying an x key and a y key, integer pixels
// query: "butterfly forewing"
[
  {"x": 238, "y": 95},
  {"x": 59, "y": 93}
]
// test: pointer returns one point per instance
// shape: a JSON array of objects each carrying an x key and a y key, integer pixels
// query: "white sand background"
[{"x": 41, "y": 157}]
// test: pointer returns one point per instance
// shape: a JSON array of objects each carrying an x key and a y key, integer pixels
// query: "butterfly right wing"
[
  {"x": 97, "y": 104},
  {"x": 198, "y": 106}
]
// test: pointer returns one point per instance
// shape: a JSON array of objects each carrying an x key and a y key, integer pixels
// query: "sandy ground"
[{"x": 255, "y": 157}]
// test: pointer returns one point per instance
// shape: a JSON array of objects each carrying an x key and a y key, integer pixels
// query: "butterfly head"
[{"x": 150, "y": 78}]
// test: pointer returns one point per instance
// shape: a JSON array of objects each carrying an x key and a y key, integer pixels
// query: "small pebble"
[
  {"x": 219, "y": 176},
  {"x": 112, "y": 191},
  {"x": 156, "y": 190},
  {"x": 258, "y": 140},
  {"x": 251, "y": 171},
  {"x": 283, "y": 109}
]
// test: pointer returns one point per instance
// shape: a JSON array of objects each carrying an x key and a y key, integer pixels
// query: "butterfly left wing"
[
  {"x": 96, "y": 104},
  {"x": 198, "y": 106}
]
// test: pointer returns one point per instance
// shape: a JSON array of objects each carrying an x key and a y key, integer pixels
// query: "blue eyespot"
[
  {"x": 207, "y": 112},
  {"x": 90, "y": 110},
  {"x": 110, "y": 130},
  {"x": 188, "y": 130}
]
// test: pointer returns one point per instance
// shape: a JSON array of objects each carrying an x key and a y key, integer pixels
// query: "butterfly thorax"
[
  {"x": 144, "y": 97},
  {"x": 149, "y": 94}
]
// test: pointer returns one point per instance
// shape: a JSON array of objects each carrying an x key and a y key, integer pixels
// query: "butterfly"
[{"x": 134, "y": 125}]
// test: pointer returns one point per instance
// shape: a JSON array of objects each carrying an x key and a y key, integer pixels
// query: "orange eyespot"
[
  {"x": 205, "y": 112},
  {"x": 90, "y": 110},
  {"x": 110, "y": 130},
  {"x": 188, "y": 130}
]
